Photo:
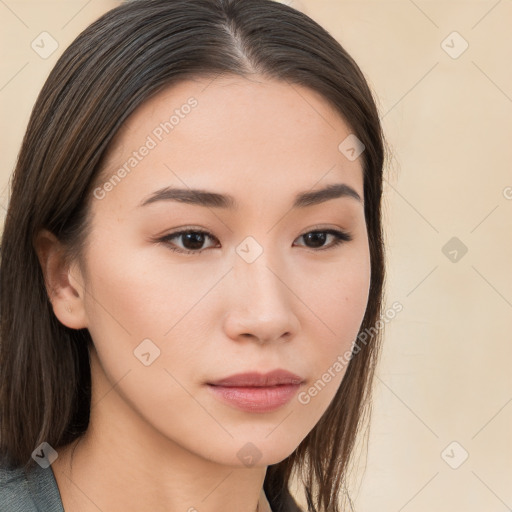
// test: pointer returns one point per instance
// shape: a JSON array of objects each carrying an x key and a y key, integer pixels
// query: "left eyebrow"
[{"x": 216, "y": 200}]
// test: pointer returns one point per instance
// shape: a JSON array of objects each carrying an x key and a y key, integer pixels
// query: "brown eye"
[
  {"x": 317, "y": 238},
  {"x": 192, "y": 241}
]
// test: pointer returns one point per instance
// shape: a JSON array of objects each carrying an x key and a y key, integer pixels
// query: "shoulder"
[
  {"x": 29, "y": 491},
  {"x": 14, "y": 493}
]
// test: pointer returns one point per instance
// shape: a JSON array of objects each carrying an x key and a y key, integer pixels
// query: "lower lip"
[{"x": 256, "y": 399}]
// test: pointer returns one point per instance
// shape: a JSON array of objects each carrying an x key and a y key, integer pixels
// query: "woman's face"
[{"x": 257, "y": 292}]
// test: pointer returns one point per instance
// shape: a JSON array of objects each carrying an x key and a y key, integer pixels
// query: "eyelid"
[{"x": 341, "y": 236}]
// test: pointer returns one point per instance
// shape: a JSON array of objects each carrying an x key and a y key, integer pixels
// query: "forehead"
[{"x": 257, "y": 135}]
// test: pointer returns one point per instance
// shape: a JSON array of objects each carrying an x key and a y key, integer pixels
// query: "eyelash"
[{"x": 339, "y": 238}]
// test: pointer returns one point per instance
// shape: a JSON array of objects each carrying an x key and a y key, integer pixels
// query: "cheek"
[
  {"x": 132, "y": 293},
  {"x": 131, "y": 299},
  {"x": 337, "y": 295},
  {"x": 337, "y": 309}
]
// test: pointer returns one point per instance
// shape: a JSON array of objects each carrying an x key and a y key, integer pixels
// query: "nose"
[{"x": 261, "y": 304}]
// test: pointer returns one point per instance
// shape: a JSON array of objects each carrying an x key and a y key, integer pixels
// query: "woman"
[{"x": 191, "y": 253}]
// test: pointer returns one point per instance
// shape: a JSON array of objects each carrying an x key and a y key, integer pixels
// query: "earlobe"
[{"x": 67, "y": 301}]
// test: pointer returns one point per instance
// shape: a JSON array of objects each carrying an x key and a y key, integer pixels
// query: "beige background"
[{"x": 445, "y": 372}]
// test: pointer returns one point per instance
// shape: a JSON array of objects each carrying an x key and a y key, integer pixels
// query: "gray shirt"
[{"x": 32, "y": 491}]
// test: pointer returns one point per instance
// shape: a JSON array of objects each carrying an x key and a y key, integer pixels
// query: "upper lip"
[{"x": 255, "y": 379}]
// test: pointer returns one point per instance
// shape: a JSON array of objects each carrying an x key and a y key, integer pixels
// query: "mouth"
[
  {"x": 254, "y": 379},
  {"x": 255, "y": 392}
]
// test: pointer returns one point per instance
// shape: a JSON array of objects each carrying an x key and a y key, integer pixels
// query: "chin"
[{"x": 258, "y": 452}]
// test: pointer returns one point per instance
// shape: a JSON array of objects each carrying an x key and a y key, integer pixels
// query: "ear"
[{"x": 64, "y": 285}]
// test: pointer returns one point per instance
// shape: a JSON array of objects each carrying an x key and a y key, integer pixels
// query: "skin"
[{"x": 158, "y": 439}]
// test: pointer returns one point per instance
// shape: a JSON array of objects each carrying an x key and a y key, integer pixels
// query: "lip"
[
  {"x": 255, "y": 379},
  {"x": 256, "y": 392}
]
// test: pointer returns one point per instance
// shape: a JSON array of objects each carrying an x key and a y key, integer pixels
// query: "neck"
[{"x": 123, "y": 463}]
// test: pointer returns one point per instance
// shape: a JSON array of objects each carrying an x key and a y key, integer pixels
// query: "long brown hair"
[{"x": 117, "y": 63}]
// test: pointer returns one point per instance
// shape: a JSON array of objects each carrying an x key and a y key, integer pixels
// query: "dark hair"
[{"x": 117, "y": 63}]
